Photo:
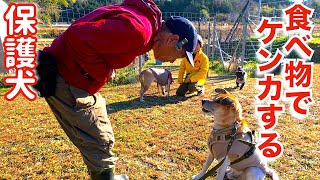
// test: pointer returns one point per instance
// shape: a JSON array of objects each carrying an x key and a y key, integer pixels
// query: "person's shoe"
[
  {"x": 121, "y": 177},
  {"x": 102, "y": 175},
  {"x": 201, "y": 92}
]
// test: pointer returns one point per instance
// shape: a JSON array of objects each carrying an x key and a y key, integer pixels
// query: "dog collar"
[
  {"x": 233, "y": 126},
  {"x": 226, "y": 134}
]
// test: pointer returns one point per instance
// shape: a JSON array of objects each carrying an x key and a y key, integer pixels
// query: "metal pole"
[
  {"x": 199, "y": 29},
  {"x": 245, "y": 25},
  {"x": 220, "y": 52},
  {"x": 259, "y": 9},
  {"x": 214, "y": 35},
  {"x": 140, "y": 63},
  {"x": 209, "y": 34}
]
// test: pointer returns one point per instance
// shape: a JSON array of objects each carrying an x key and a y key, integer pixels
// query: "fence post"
[
  {"x": 245, "y": 34},
  {"x": 259, "y": 10},
  {"x": 220, "y": 51},
  {"x": 199, "y": 29},
  {"x": 214, "y": 35},
  {"x": 209, "y": 34},
  {"x": 140, "y": 63}
]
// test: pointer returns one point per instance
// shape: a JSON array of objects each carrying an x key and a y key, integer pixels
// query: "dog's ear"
[
  {"x": 227, "y": 102},
  {"x": 221, "y": 91}
]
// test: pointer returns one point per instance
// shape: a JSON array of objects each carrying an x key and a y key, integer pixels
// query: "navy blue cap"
[{"x": 188, "y": 37}]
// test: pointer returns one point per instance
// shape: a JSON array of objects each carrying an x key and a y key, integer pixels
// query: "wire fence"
[{"x": 227, "y": 37}]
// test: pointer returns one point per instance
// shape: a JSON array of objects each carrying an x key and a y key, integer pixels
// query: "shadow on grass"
[
  {"x": 218, "y": 79},
  {"x": 150, "y": 101},
  {"x": 230, "y": 89}
]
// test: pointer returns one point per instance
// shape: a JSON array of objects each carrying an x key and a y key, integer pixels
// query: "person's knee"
[
  {"x": 193, "y": 87},
  {"x": 181, "y": 91}
]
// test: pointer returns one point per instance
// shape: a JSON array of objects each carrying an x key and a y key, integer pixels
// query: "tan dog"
[
  {"x": 163, "y": 77},
  {"x": 243, "y": 161}
]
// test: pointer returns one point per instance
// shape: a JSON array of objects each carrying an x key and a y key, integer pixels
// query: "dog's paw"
[{"x": 272, "y": 174}]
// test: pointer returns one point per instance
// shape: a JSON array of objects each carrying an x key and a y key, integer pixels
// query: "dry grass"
[{"x": 159, "y": 139}]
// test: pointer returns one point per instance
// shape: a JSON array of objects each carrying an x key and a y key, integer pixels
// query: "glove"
[
  {"x": 111, "y": 74},
  {"x": 187, "y": 80}
]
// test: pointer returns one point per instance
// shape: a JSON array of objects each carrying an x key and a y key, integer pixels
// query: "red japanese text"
[{"x": 20, "y": 50}]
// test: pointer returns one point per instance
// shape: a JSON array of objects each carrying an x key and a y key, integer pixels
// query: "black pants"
[
  {"x": 46, "y": 72},
  {"x": 185, "y": 87}
]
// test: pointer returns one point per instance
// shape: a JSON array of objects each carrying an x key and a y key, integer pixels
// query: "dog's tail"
[{"x": 272, "y": 173}]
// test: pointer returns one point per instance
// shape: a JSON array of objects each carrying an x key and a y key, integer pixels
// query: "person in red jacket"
[{"x": 87, "y": 54}]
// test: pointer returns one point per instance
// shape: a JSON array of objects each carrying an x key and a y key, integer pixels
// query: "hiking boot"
[
  {"x": 101, "y": 175},
  {"x": 107, "y": 174},
  {"x": 121, "y": 177}
]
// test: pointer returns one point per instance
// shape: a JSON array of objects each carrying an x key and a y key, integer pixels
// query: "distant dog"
[
  {"x": 241, "y": 77},
  {"x": 163, "y": 77},
  {"x": 243, "y": 160}
]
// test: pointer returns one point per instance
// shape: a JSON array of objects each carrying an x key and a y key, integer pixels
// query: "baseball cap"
[{"x": 188, "y": 37}]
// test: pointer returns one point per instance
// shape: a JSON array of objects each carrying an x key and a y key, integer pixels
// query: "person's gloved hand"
[
  {"x": 111, "y": 74},
  {"x": 187, "y": 80}
]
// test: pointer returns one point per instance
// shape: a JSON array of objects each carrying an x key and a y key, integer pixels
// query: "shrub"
[
  {"x": 50, "y": 32},
  {"x": 54, "y": 32},
  {"x": 221, "y": 17},
  {"x": 2, "y": 85},
  {"x": 125, "y": 75},
  {"x": 251, "y": 68},
  {"x": 217, "y": 67},
  {"x": 315, "y": 45}
]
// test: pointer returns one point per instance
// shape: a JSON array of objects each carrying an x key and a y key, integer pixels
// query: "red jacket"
[{"x": 108, "y": 38}]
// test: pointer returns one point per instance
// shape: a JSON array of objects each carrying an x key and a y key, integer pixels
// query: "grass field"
[{"x": 158, "y": 139}]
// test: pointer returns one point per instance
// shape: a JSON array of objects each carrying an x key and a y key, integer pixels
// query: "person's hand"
[
  {"x": 111, "y": 74},
  {"x": 187, "y": 80}
]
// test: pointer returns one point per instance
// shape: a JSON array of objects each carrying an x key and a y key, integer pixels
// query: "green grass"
[
  {"x": 159, "y": 139},
  {"x": 217, "y": 68}
]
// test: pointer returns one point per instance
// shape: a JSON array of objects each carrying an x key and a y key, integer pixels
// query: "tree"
[
  {"x": 48, "y": 9},
  {"x": 222, "y": 6},
  {"x": 173, "y": 6},
  {"x": 314, "y": 4}
]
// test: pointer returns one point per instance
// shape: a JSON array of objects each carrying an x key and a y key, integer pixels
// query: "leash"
[
  {"x": 245, "y": 156},
  {"x": 214, "y": 169}
]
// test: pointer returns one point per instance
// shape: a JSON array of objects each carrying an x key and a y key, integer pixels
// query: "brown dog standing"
[
  {"x": 243, "y": 161},
  {"x": 163, "y": 77}
]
